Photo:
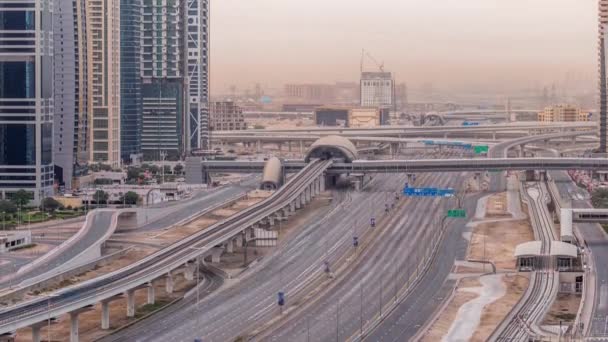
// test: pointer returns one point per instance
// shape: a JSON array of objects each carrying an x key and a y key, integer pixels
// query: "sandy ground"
[
  {"x": 480, "y": 303},
  {"x": 496, "y": 241},
  {"x": 497, "y": 206},
  {"x": 494, "y": 313},
  {"x": 564, "y": 309},
  {"x": 442, "y": 325}
]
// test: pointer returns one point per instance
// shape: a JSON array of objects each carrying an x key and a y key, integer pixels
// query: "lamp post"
[{"x": 198, "y": 290}]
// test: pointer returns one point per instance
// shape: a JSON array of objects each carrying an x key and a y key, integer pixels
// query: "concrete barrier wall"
[{"x": 56, "y": 279}]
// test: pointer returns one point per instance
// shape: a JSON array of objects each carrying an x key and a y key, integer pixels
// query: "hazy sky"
[{"x": 448, "y": 43}]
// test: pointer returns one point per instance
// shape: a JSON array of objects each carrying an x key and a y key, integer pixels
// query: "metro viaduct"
[{"x": 420, "y": 165}]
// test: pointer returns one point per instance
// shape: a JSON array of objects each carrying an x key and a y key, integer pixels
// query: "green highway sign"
[
  {"x": 481, "y": 149},
  {"x": 457, "y": 213}
]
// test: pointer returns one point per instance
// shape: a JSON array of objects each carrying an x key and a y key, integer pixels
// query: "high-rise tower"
[
  {"x": 130, "y": 78},
  {"x": 103, "y": 47},
  {"x": 26, "y": 98},
  {"x": 603, "y": 36},
  {"x": 197, "y": 41},
  {"x": 70, "y": 88}
]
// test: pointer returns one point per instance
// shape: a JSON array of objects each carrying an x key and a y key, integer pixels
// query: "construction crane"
[{"x": 364, "y": 54}]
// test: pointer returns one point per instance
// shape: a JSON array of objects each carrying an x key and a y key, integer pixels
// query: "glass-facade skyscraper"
[
  {"x": 26, "y": 98},
  {"x": 70, "y": 145},
  {"x": 603, "y": 92},
  {"x": 130, "y": 78}
]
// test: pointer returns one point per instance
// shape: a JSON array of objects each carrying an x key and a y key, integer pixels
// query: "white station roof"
[
  {"x": 565, "y": 222},
  {"x": 563, "y": 249},
  {"x": 528, "y": 249}
]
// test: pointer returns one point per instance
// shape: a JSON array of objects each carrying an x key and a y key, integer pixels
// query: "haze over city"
[
  {"x": 451, "y": 43},
  {"x": 296, "y": 171}
]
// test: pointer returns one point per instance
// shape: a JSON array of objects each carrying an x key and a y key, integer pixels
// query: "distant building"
[
  {"x": 300, "y": 107},
  {"x": 364, "y": 117},
  {"x": 323, "y": 93},
  {"x": 331, "y": 116},
  {"x": 377, "y": 89},
  {"x": 562, "y": 113},
  {"x": 226, "y": 116},
  {"x": 350, "y": 116}
]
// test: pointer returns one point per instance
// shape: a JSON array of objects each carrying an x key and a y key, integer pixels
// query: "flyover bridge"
[
  {"x": 162, "y": 264},
  {"x": 421, "y": 165}
]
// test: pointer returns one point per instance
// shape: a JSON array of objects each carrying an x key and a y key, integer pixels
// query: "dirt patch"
[
  {"x": 443, "y": 323},
  {"x": 494, "y": 313},
  {"x": 469, "y": 282},
  {"x": 564, "y": 309},
  {"x": 497, "y": 206},
  {"x": 496, "y": 241}
]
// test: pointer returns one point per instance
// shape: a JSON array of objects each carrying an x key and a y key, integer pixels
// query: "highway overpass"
[{"x": 421, "y": 165}]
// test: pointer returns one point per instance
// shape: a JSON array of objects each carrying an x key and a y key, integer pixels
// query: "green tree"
[
  {"x": 130, "y": 198},
  {"x": 21, "y": 198},
  {"x": 166, "y": 169},
  {"x": 101, "y": 196},
  {"x": 8, "y": 207},
  {"x": 133, "y": 173},
  {"x": 154, "y": 169},
  {"x": 599, "y": 198},
  {"x": 50, "y": 204},
  {"x": 178, "y": 168}
]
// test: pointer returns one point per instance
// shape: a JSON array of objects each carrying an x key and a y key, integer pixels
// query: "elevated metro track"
[{"x": 297, "y": 191}]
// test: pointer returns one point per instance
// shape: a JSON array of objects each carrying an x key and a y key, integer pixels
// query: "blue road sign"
[
  {"x": 428, "y": 192},
  {"x": 281, "y": 298}
]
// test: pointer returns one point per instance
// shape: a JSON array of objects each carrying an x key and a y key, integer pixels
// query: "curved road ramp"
[{"x": 82, "y": 248}]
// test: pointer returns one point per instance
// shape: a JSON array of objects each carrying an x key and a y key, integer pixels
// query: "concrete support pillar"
[
  {"x": 289, "y": 145},
  {"x": 478, "y": 179},
  {"x": 493, "y": 135},
  {"x": 130, "y": 303},
  {"x": 36, "y": 333},
  {"x": 258, "y": 146},
  {"x": 105, "y": 315},
  {"x": 301, "y": 147},
  {"x": 298, "y": 202},
  {"x": 229, "y": 247},
  {"x": 271, "y": 221},
  {"x": 74, "y": 327},
  {"x": 308, "y": 194},
  {"x": 322, "y": 182},
  {"x": 151, "y": 293},
  {"x": 292, "y": 207},
  {"x": 216, "y": 254},
  {"x": 189, "y": 271},
  {"x": 238, "y": 241},
  {"x": 279, "y": 146},
  {"x": 390, "y": 149},
  {"x": 169, "y": 284}
]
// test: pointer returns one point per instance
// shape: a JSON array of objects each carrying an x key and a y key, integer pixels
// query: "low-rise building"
[
  {"x": 14, "y": 240},
  {"x": 226, "y": 116},
  {"x": 563, "y": 113}
]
